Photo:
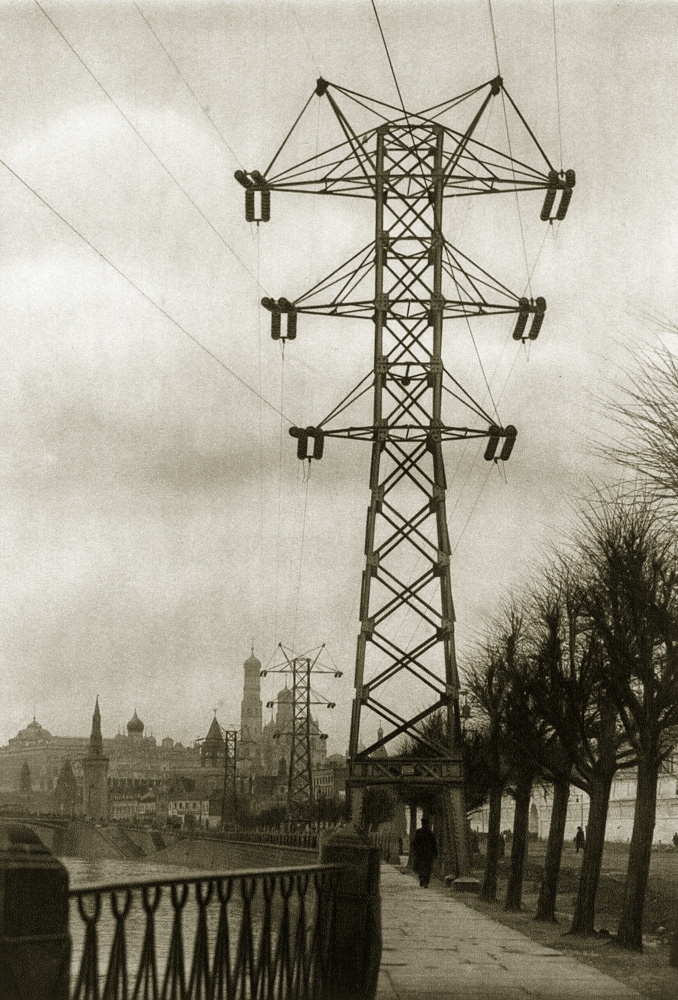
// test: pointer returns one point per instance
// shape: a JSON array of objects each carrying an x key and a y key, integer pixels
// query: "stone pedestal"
[
  {"x": 35, "y": 946},
  {"x": 463, "y": 884},
  {"x": 356, "y": 955}
]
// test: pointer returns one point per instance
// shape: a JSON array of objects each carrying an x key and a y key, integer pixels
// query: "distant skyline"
[{"x": 154, "y": 518}]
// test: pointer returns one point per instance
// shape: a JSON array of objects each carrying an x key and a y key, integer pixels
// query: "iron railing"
[
  {"x": 254, "y": 935},
  {"x": 307, "y": 839}
]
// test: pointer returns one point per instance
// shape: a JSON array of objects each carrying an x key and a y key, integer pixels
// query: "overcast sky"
[{"x": 154, "y": 518}]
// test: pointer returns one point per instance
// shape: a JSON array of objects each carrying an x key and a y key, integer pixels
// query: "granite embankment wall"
[
  {"x": 79, "y": 839},
  {"x": 219, "y": 855}
]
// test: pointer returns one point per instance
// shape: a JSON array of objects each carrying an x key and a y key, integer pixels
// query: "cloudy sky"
[{"x": 154, "y": 518}]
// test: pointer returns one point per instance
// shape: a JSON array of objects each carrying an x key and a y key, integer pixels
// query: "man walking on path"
[
  {"x": 425, "y": 850},
  {"x": 579, "y": 840}
]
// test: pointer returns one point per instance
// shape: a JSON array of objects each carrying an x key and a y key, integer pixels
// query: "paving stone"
[{"x": 436, "y": 948}]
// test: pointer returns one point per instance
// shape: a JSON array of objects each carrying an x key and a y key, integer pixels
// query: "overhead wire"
[
  {"x": 303, "y": 35},
  {"x": 146, "y": 144},
  {"x": 279, "y": 531},
  {"x": 301, "y": 562},
  {"x": 473, "y": 339},
  {"x": 555, "y": 52},
  {"x": 473, "y": 508},
  {"x": 508, "y": 139},
  {"x": 187, "y": 84},
  {"x": 388, "y": 56},
  {"x": 140, "y": 291}
]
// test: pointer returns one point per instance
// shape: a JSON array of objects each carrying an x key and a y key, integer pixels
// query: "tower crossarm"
[
  {"x": 349, "y": 168},
  {"x": 409, "y": 281}
]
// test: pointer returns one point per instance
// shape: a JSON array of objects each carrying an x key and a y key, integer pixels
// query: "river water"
[{"x": 83, "y": 873}]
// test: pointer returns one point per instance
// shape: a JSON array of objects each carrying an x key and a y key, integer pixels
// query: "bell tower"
[{"x": 250, "y": 710}]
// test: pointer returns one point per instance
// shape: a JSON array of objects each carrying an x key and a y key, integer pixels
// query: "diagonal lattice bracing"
[{"x": 407, "y": 283}]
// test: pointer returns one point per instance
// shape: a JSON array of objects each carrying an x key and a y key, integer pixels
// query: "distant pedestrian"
[
  {"x": 675, "y": 840},
  {"x": 579, "y": 840},
  {"x": 425, "y": 850}
]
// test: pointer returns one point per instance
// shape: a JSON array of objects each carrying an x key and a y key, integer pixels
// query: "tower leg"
[{"x": 356, "y": 798}]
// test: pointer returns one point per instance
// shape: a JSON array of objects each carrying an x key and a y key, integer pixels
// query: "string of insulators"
[
  {"x": 304, "y": 436},
  {"x": 277, "y": 308},
  {"x": 257, "y": 195},
  {"x": 525, "y": 308},
  {"x": 495, "y": 434},
  {"x": 558, "y": 182}
]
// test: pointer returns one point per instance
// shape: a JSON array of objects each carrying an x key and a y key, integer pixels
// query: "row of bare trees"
[{"x": 578, "y": 676}]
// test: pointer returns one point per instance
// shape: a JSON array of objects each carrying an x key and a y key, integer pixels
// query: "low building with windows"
[
  {"x": 621, "y": 807},
  {"x": 191, "y": 812}
]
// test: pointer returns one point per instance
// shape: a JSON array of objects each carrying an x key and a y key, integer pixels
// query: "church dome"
[
  {"x": 252, "y": 662},
  {"x": 33, "y": 732},
  {"x": 135, "y": 726}
]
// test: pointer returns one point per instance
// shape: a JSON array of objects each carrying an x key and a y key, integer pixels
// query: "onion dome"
[
  {"x": 252, "y": 662},
  {"x": 135, "y": 726}
]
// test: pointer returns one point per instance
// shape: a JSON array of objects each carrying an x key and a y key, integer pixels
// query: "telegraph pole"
[{"x": 407, "y": 282}]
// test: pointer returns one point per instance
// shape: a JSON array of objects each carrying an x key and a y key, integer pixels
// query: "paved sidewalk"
[{"x": 436, "y": 948}]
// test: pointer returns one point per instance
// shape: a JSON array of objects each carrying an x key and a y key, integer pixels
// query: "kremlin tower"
[
  {"x": 250, "y": 710},
  {"x": 95, "y": 774}
]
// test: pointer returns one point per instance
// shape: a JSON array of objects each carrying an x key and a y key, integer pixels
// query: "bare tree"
[
  {"x": 500, "y": 690},
  {"x": 487, "y": 683},
  {"x": 572, "y": 697},
  {"x": 632, "y": 602},
  {"x": 645, "y": 408}
]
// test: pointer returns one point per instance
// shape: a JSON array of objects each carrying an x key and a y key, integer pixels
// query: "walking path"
[{"x": 436, "y": 948}]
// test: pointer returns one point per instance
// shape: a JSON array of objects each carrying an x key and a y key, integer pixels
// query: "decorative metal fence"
[{"x": 255, "y": 935}]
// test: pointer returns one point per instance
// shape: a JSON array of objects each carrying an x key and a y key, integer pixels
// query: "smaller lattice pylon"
[
  {"x": 302, "y": 729},
  {"x": 229, "y": 805}
]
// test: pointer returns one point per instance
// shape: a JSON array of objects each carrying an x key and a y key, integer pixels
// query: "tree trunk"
[
  {"x": 514, "y": 889},
  {"x": 488, "y": 891},
  {"x": 546, "y": 904},
  {"x": 583, "y": 920},
  {"x": 630, "y": 931}
]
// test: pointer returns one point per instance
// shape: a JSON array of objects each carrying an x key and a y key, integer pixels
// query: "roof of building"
[
  {"x": 252, "y": 661},
  {"x": 33, "y": 732},
  {"x": 135, "y": 725},
  {"x": 96, "y": 744},
  {"x": 214, "y": 732}
]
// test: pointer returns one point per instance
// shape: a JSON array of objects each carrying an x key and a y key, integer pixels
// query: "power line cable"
[
  {"x": 555, "y": 51},
  {"x": 148, "y": 147},
  {"x": 187, "y": 84},
  {"x": 508, "y": 139},
  {"x": 301, "y": 562},
  {"x": 303, "y": 35},
  {"x": 494, "y": 38},
  {"x": 140, "y": 291},
  {"x": 468, "y": 519},
  {"x": 388, "y": 56},
  {"x": 395, "y": 80}
]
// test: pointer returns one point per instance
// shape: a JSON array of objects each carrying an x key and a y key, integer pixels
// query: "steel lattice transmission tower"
[
  {"x": 301, "y": 731},
  {"x": 407, "y": 281},
  {"x": 230, "y": 799}
]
